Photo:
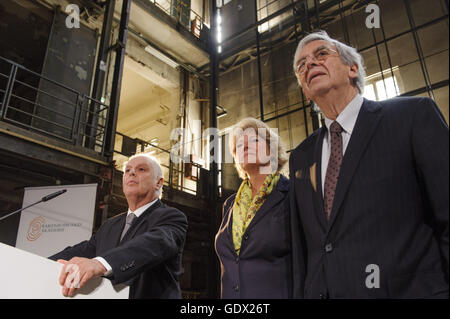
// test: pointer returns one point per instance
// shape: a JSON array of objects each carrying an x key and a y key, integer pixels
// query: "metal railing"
[
  {"x": 176, "y": 175},
  {"x": 179, "y": 11},
  {"x": 42, "y": 105}
]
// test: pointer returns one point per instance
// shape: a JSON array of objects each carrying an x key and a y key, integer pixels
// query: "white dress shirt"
[
  {"x": 347, "y": 120},
  {"x": 138, "y": 212}
]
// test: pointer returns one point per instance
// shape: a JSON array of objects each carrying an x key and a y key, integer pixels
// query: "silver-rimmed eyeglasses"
[{"x": 320, "y": 55}]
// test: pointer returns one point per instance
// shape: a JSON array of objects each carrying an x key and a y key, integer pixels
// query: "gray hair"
[
  {"x": 349, "y": 55},
  {"x": 154, "y": 164}
]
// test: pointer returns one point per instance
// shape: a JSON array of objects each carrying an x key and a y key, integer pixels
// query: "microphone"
[
  {"x": 43, "y": 199},
  {"x": 55, "y": 194}
]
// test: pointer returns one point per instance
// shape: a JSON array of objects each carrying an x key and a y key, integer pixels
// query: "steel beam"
[
  {"x": 100, "y": 70},
  {"x": 117, "y": 80}
]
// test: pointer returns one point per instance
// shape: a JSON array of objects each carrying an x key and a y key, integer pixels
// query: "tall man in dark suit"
[
  {"x": 370, "y": 188},
  {"x": 141, "y": 248}
]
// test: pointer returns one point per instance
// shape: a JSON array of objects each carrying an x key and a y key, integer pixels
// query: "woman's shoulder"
[{"x": 229, "y": 202}]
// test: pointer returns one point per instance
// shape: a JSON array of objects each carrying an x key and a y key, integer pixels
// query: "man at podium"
[{"x": 141, "y": 248}]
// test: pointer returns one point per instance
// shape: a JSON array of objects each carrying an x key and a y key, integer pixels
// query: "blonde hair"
[{"x": 277, "y": 149}]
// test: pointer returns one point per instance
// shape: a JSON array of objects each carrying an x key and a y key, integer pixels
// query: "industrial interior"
[{"x": 76, "y": 103}]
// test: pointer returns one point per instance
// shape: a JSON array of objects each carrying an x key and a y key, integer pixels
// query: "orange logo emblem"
[{"x": 34, "y": 230}]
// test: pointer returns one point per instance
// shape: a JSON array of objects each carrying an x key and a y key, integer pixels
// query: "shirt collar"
[
  {"x": 138, "y": 212},
  {"x": 348, "y": 116}
]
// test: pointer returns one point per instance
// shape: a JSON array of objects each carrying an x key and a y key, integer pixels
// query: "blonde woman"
[{"x": 253, "y": 242}]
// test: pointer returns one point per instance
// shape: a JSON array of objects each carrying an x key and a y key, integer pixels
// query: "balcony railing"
[
  {"x": 183, "y": 14},
  {"x": 187, "y": 176},
  {"x": 42, "y": 105}
]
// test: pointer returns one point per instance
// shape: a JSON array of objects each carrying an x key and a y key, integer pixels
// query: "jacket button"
[
  {"x": 237, "y": 260},
  {"x": 323, "y": 296},
  {"x": 246, "y": 236},
  {"x": 328, "y": 247},
  {"x": 236, "y": 288}
]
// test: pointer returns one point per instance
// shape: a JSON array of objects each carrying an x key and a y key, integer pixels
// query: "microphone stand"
[{"x": 43, "y": 199}]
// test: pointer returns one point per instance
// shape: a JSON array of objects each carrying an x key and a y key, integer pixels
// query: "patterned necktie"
[
  {"x": 334, "y": 165},
  {"x": 128, "y": 223}
]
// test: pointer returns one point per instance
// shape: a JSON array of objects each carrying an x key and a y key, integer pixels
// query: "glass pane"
[
  {"x": 335, "y": 29},
  {"x": 237, "y": 91},
  {"x": 360, "y": 36},
  {"x": 434, "y": 38},
  {"x": 393, "y": 17},
  {"x": 410, "y": 77},
  {"x": 273, "y": 7},
  {"x": 437, "y": 67},
  {"x": 283, "y": 124},
  {"x": 369, "y": 92},
  {"x": 404, "y": 58},
  {"x": 298, "y": 128},
  {"x": 391, "y": 87},
  {"x": 386, "y": 89},
  {"x": 426, "y": 10},
  {"x": 441, "y": 98},
  {"x": 371, "y": 62},
  {"x": 381, "y": 90},
  {"x": 403, "y": 50}
]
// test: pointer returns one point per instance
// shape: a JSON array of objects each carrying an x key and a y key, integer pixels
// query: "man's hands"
[{"x": 77, "y": 271}]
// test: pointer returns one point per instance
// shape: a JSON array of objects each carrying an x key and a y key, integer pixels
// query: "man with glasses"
[{"x": 369, "y": 192}]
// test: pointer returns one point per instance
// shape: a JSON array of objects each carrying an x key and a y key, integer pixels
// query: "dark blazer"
[
  {"x": 263, "y": 267},
  {"x": 149, "y": 256},
  {"x": 390, "y": 209}
]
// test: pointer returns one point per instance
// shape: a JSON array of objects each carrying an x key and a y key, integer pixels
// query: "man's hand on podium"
[{"x": 77, "y": 271}]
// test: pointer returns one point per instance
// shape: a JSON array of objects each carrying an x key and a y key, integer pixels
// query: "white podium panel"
[{"x": 24, "y": 275}]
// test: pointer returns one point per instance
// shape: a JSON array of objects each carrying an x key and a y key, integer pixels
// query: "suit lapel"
[
  {"x": 275, "y": 197},
  {"x": 229, "y": 224},
  {"x": 365, "y": 125},
  {"x": 318, "y": 196},
  {"x": 116, "y": 230},
  {"x": 138, "y": 222},
  {"x": 273, "y": 200}
]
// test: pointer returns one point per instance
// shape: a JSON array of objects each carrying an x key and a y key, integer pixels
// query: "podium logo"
[{"x": 34, "y": 230}]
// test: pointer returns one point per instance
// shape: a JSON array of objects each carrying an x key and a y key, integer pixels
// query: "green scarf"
[{"x": 246, "y": 206}]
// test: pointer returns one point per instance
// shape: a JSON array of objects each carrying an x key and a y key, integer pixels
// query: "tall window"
[
  {"x": 266, "y": 8},
  {"x": 378, "y": 89}
]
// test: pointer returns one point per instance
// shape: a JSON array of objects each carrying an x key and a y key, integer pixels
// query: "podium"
[{"x": 24, "y": 275}]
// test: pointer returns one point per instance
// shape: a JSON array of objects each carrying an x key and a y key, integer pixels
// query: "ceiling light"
[
  {"x": 222, "y": 112},
  {"x": 161, "y": 56}
]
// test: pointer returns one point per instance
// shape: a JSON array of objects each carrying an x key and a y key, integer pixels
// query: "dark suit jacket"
[
  {"x": 263, "y": 267},
  {"x": 149, "y": 256},
  {"x": 390, "y": 208}
]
